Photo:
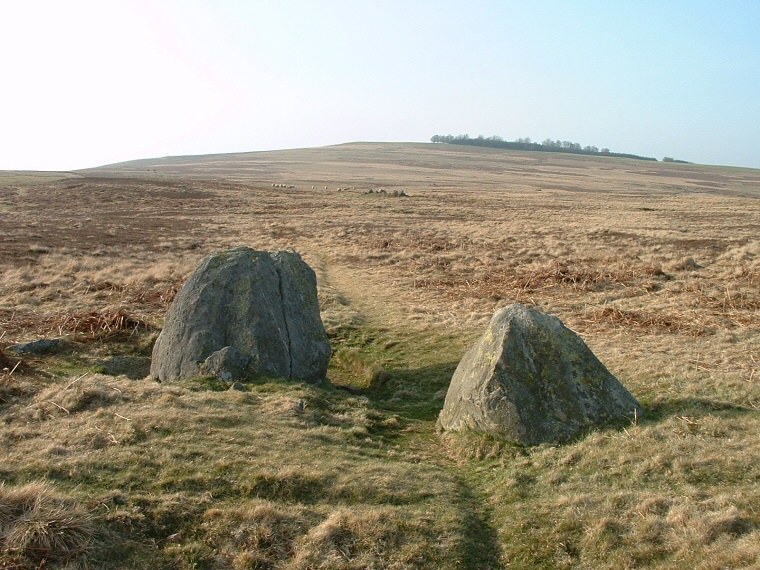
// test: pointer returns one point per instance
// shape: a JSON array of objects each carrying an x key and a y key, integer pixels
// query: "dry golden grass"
[
  {"x": 656, "y": 265},
  {"x": 39, "y": 528}
]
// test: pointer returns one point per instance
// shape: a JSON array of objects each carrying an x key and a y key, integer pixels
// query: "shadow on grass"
[
  {"x": 659, "y": 411},
  {"x": 415, "y": 394},
  {"x": 480, "y": 548}
]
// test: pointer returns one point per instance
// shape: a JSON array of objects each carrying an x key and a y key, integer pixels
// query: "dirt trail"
[{"x": 371, "y": 299}]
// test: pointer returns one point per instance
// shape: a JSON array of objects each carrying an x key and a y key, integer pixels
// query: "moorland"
[{"x": 656, "y": 265}]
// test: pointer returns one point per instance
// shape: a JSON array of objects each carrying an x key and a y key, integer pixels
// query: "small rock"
[
  {"x": 41, "y": 346},
  {"x": 134, "y": 367},
  {"x": 228, "y": 364}
]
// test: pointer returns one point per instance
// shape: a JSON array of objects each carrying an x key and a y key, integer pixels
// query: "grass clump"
[
  {"x": 257, "y": 535},
  {"x": 207, "y": 383},
  {"x": 40, "y": 527},
  {"x": 468, "y": 445},
  {"x": 351, "y": 366},
  {"x": 355, "y": 539}
]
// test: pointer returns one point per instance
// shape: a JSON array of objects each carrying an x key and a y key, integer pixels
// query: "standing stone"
[
  {"x": 530, "y": 379},
  {"x": 245, "y": 312}
]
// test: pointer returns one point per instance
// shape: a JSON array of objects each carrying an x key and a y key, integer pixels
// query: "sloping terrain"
[{"x": 656, "y": 265}]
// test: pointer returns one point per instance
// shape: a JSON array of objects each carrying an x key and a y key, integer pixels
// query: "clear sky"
[{"x": 87, "y": 83}]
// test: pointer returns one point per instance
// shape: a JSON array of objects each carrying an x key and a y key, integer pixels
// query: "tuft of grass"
[
  {"x": 348, "y": 363},
  {"x": 207, "y": 383},
  {"x": 82, "y": 393},
  {"x": 264, "y": 532},
  {"x": 463, "y": 446},
  {"x": 351, "y": 539},
  {"x": 39, "y": 527}
]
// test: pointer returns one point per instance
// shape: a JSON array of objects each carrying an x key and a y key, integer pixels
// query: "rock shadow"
[
  {"x": 414, "y": 393},
  {"x": 659, "y": 411},
  {"x": 133, "y": 367}
]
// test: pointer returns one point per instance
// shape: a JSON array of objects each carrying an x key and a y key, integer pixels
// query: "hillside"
[
  {"x": 455, "y": 167},
  {"x": 655, "y": 265}
]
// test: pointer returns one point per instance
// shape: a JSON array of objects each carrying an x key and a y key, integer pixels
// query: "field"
[{"x": 656, "y": 265}]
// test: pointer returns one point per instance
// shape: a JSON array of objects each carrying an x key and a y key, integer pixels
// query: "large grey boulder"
[
  {"x": 530, "y": 379},
  {"x": 241, "y": 312}
]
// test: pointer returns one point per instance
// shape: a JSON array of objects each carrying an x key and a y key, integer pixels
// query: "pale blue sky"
[{"x": 87, "y": 83}]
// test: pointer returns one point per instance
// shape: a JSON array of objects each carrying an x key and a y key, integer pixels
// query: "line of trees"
[{"x": 526, "y": 143}]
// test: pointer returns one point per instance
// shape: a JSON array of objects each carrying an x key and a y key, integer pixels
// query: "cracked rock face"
[
  {"x": 530, "y": 380},
  {"x": 245, "y": 312}
]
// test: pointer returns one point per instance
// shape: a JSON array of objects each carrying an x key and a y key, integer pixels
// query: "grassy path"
[{"x": 418, "y": 361}]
